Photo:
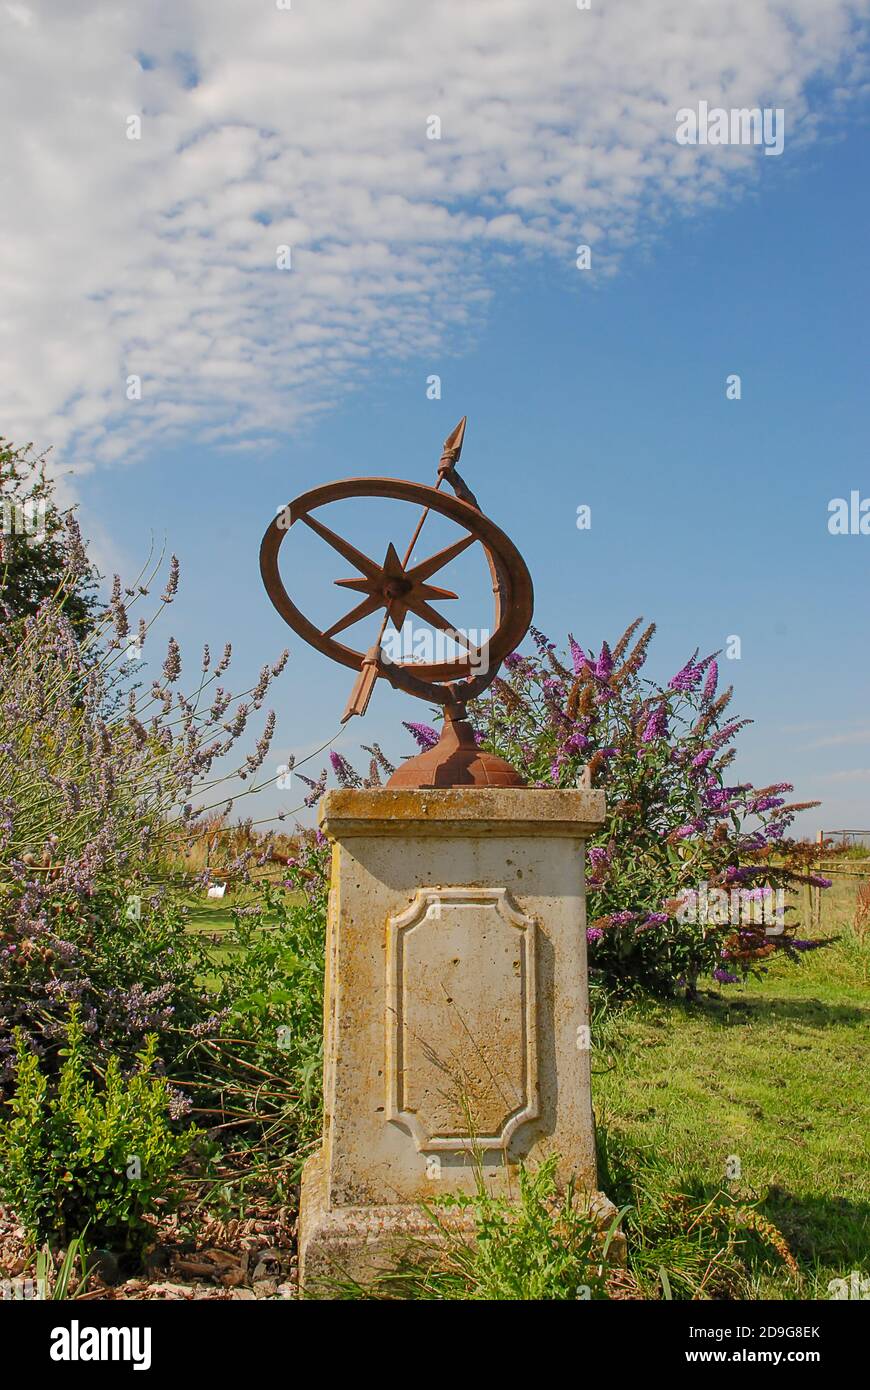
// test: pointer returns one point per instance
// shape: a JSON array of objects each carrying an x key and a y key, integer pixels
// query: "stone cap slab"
[{"x": 543, "y": 811}]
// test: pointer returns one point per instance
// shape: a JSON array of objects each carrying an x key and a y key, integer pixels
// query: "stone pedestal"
[{"x": 456, "y": 1009}]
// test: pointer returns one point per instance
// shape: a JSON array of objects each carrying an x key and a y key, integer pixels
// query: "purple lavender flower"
[
  {"x": 172, "y": 582},
  {"x": 317, "y": 788},
  {"x": 256, "y": 759},
  {"x": 259, "y": 691},
  {"x": 179, "y": 1104},
  {"x": 172, "y": 664},
  {"x": 117, "y": 610}
]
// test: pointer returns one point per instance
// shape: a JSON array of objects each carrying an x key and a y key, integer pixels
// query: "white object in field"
[{"x": 217, "y": 891}]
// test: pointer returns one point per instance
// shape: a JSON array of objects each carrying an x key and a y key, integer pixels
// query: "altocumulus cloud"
[{"x": 307, "y": 128}]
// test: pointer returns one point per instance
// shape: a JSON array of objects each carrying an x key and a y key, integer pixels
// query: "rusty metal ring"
[{"x": 512, "y": 587}]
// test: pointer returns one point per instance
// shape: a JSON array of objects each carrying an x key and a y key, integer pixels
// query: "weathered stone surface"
[
  {"x": 456, "y": 1010},
  {"x": 501, "y": 810},
  {"x": 460, "y": 1058}
]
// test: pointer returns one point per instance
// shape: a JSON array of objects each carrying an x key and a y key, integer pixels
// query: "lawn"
[{"x": 772, "y": 1076}]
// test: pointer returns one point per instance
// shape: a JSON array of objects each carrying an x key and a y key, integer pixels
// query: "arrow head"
[{"x": 453, "y": 443}]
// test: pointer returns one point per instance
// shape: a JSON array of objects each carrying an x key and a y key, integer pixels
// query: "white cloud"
[
  {"x": 306, "y": 127},
  {"x": 860, "y": 736}
]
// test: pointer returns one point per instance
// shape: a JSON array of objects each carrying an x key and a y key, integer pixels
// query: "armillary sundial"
[{"x": 399, "y": 587}]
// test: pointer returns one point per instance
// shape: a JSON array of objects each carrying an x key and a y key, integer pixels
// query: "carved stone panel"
[{"x": 461, "y": 1035}]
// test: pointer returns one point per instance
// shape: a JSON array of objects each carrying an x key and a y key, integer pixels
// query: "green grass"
[
  {"x": 215, "y": 914},
  {"x": 775, "y": 1074}
]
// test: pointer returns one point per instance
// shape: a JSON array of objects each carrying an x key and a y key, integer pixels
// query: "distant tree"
[{"x": 40, "y": 545}]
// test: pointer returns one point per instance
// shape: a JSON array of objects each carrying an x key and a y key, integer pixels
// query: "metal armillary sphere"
[{"x": 399, "y": 588}]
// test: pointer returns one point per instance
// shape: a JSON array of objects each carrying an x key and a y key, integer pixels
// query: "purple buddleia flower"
[
  {"x": 604, "y": 664},
  {"x": 343, "y": 771},
  {"x": 692, "y": 828},
  {"x": 710, "y": 683},
  {"x": 725, "y": 977},
  {"x": 687, "y": 678},
  {"x": 382, "y": 762},
  {"x": 578, "y": 656},
  {"x": 577, "y": 743},
  {"x": 425, "y": 736},
  {"x": 656, "y": 726},
  {"x": 541, "y": 641}
]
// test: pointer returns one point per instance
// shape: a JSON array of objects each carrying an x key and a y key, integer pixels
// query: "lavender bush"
[{"x": 97, "y": 778}]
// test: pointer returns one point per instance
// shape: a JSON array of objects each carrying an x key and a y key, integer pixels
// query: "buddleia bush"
[{"x": 683, "y": 878}]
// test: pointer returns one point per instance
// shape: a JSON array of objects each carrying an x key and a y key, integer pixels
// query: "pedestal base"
[
  {"x": 456, "y": 1038},
  {"x": 346, "y": 1246},
  {"x": 356, "y": 1245}
]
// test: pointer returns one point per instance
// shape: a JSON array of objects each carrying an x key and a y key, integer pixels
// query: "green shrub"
[
  {"x": 265, "y": 1064},
  {"x": 78, "y": 1154},
  {"x": 545, "y": 1245}
]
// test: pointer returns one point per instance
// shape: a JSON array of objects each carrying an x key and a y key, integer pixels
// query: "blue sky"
[{"x": 709, "y": 516}]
